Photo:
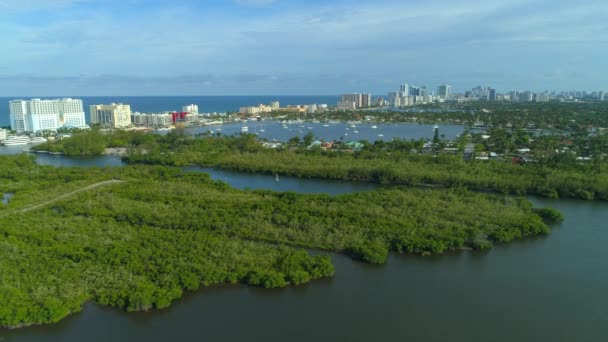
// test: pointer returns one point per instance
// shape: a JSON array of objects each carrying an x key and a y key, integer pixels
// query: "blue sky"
[{"x": 254, "y": 47}]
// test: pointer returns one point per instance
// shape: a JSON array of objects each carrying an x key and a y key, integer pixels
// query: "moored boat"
[{"x": 16, "y": 141}]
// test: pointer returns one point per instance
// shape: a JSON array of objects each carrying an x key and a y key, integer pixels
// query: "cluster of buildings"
[
  {"x": 276, "y": 106},
  {"x": 39, "y": 116},
  {"x": 490, "y": 94},
  {"x": 410, "y": 95},
  {"x": 120, "y": 116},
  {"x": 355, "y": 101}
]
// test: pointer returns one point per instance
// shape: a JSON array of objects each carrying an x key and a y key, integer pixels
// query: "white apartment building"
[
  {"x": 3, "y": 134},
  {"x": 192, "y": 109},
  {"x": 444, "y": 91},
  {"x": 112, "y": 115},
  {"x": 39, "y": 115},
  {"x": 255, "y": 110},
  {"x": 152, "y": 120}
]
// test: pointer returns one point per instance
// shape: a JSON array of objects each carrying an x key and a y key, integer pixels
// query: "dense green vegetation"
[
  {"x": 139, "y": 244},
  {"x": 93, "y": 142},
  {"x": 383, "y": 162}
]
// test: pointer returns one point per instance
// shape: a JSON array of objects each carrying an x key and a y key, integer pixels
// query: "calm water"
[
  {"x": 155, "y": 104},
  {"x": 545, "y": 289},
  {"x": 334, "y": 131},
  {"x": 240, "y": 180}
]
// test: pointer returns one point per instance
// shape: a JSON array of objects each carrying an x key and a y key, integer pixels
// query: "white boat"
[
  {"x": 380, "y": 135},
  {"x": 36, "y": 140},
  {"x": 356, "y": 132},
  {"x": 436, "y": 127},
  {"x": 244, "y": 129},
  {"x": 326, "y": 125},
  {"x": 16, "y": 141},
  {"x": 374, "y": 126},
  {"x": 276, "y": 178},
  {"x": 353, "y": 126}
]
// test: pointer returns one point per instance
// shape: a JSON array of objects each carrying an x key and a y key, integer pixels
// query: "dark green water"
[{"x": 546, "y": 289}]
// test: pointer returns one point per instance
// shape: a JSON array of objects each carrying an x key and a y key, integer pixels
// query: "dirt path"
[{"x": 64, "y": 196}]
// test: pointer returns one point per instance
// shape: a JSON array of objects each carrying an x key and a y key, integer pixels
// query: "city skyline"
[{"x": 255, "y": 47}]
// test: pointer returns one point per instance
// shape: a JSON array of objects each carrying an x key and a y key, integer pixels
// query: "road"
[{"x": 64, "y": 196}]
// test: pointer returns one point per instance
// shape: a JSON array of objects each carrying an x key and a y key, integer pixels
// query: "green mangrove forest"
[
  {"x": 138, "y": 237},
  {"x": 390, "y": 163}
]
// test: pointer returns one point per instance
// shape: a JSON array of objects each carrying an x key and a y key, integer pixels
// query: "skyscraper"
[
  {"x": 444, "y": 91},
  {"x": 414, "y": 91},
  {"x": 40, "y": 115},
  {"x": 492, "y": 94},
  {"x": 526, "y": 96},
  {"x": 360, "y": 100}
]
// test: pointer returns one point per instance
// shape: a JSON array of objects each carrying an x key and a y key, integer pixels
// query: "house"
[
  {"x": 469, "y": 151},
  {"x": 327, "y": 145},
  {"x": 354, "y": 145}
]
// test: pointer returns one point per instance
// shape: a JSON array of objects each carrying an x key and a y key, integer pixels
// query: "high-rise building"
[
  {"x": 601, "y": 95},
  {"x": 541, "y": 97},
  {"x": 112, "y": 115},
  {"x": 360, "y": 100},
  {"x": 393, "y": 99},
  {"x": 444, "y": 91},
  {"x": 423, "y": 92},
  {"x": 526, "y": 96},
  {"x": 275, "y": 105},
  {"x": 39, "y": 115},
  {"x": 492, "y": 94},
  {"x": 414, "y": 91},
  {"x": 191, "y": 109}
]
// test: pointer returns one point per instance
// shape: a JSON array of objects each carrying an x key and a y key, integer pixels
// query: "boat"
[
  {"x": 380, "y": 135},
  {"x": 276, "y": 177},
  {"x": 374, "y": 126},
  {"x": 356, "y": 132},
  {"x": 436, "y": 127},
  {"x": 326, "y": 125},
  {"x": 244, "y": 129},
  {"x": 16, "y": 141},
  {"x": 353, "y": 126},
  {"x": 36, "y": 140}
]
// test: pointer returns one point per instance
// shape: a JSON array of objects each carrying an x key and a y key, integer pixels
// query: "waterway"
[
  {"x": 544, "y": 289},
  {"x": 275, "y": 130}
]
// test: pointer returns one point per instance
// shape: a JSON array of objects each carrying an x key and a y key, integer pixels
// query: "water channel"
[{"x": 545, "y": 289}]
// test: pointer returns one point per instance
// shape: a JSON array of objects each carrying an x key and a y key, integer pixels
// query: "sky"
[{"x": 297, "y": 47}]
